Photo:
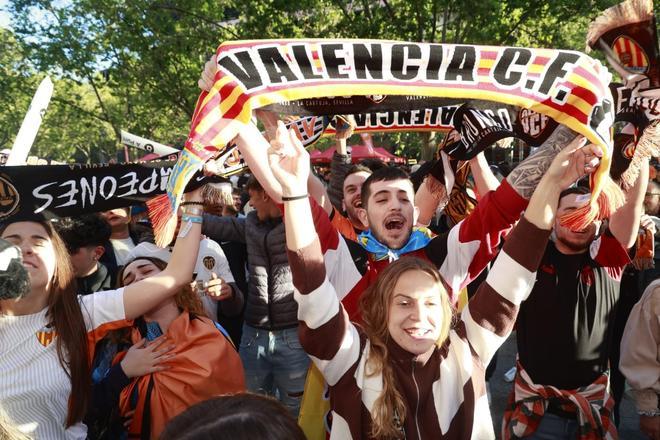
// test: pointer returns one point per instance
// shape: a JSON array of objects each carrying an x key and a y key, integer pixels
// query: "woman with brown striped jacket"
[{"x": 413, "y": 370}]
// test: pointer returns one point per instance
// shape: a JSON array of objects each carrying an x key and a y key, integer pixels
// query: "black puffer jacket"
[{"x": 269, "y": 301}]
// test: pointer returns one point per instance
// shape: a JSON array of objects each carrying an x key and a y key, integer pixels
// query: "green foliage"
[
  {"x": 134, "y": 64},
  {"x": 15, "y": 75}
]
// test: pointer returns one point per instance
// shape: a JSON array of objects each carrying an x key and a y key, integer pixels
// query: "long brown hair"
[
  {"x": 186, "y": 298},
  {"x": 389, "y": 409},
  {"x": 66, "y": 319}
]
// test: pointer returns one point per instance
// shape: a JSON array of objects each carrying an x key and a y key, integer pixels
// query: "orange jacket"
[{"x": 205, "y": 365}]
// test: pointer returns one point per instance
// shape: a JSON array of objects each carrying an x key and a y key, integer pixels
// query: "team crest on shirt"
[
  {"x": 209, "y": 262},
  {"x": 46, "y": 335}
]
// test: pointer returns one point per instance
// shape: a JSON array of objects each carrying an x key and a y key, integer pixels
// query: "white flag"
[
  {"x": 146, "y": 144},
  {"x": 31, "y": 122}
]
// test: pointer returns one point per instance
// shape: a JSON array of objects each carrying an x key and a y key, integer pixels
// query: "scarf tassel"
[
  {"x": 163, "y": 219},
  {"x": 623, "y": 14},
  {"x": 648, "y": 146},
  {"x": 609, "y": 199}
]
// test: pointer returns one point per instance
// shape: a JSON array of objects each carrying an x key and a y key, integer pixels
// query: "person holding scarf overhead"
[
  {"x": 564, "y": 331},
  {"x": 413, "y": 370}
]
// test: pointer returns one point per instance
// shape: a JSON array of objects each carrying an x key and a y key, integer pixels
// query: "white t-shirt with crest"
[{"x": 34, "y": 388}]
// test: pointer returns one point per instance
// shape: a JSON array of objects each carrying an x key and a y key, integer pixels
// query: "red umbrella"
[{"x": 391, "y": 157}]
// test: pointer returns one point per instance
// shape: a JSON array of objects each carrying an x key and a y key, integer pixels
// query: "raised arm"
[
  {"x": 142, "y": 296},
  {"x": 325, "y": 332},
  {"x": 341, "y": 161},
  {"x": 429, "y": 196},
  {"x": 254, "y": 150},
  {"x": 319, "y": 193},
  {"x": 254, "y": 147},
  {"x": 490, "y": 315},
  {"x": 462, "y": 254},
  {"x": 624, "y": 223},
  {"x": 484, "y": 179},
  {"x": 524, "y": 178}
]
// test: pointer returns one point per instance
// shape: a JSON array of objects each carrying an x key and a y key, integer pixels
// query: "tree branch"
[
  {"x": 445, "y": 21},
  {"x": 344, "y": 12},
  {"x": 103, "y": 108},
  {"x": 198, "y": 17},
  {"x": 389, "y": 9},
  {"x": 434, "y": 26},
  {"x": 522, "y": 19},
  {"x": 80, "y": 109}
]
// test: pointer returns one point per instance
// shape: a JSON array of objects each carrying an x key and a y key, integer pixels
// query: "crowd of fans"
[{"x": 117, "y": 338}]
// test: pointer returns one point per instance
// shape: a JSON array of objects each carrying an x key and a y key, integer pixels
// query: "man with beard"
[
  {"x": 460, "y": 255},
  {"x": 123, "y": 238},
  {"x": 652, "y": 199},
  {"x": 564, "y": 329},
  {"x": 652, "y": 211}
]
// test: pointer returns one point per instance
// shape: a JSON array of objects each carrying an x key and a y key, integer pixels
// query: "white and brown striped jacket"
[{"x": 446, "y": 397}]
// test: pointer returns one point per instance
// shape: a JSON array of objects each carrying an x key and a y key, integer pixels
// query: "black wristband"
[{"x": 291, "y": 198}]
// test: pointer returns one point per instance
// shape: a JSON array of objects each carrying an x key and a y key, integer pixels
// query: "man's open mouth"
[{"x": 394, "y": 224}]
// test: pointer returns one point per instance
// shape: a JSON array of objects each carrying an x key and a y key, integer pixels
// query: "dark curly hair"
[{"x": 83, "y": 231}]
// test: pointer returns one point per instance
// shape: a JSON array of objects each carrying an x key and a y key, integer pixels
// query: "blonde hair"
[{"x": 389, "y": 409}]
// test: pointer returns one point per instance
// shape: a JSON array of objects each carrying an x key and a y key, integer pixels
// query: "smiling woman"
[
  {"x": 413, "y": 369},
  {"x": 48, "y": 335},
  {"x": 408, "y": 306}
]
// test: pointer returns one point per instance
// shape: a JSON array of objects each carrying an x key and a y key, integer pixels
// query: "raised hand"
[
  {"x": 646, "y": 222},
  {"x": 289, "y": 161},
  {"x": 217, "y": 288},
  {"x": 269, "y": 119},
  {"x": 573, "y": 162},
  {"x": 345, "y": 127},
  {"x": 207, "y": 78},
  {"x": 146, "y": 358}
]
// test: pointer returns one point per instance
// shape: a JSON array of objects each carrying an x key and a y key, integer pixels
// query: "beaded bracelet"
[
  {"x": 192, "y": 219},
  {"x": 192, "y": 203}
]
